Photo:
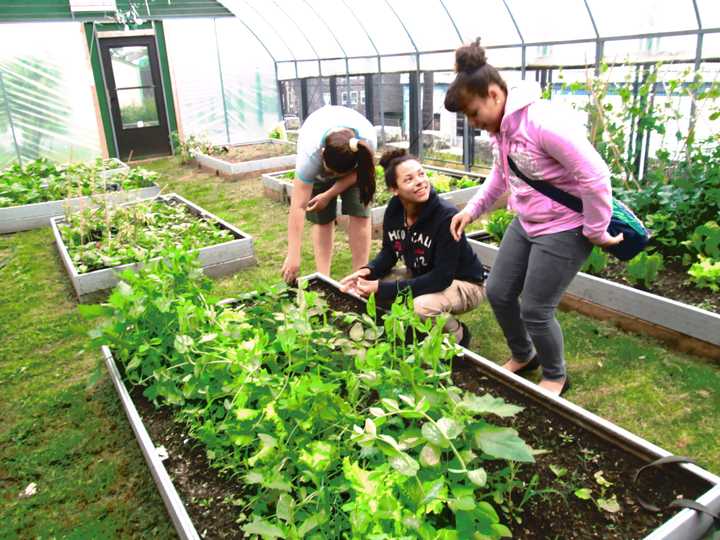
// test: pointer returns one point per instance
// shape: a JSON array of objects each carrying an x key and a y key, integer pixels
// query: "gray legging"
[{"x": 539, "y": 269}]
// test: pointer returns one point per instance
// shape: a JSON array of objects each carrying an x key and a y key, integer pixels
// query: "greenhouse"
[{"x": 182, "y": 356}]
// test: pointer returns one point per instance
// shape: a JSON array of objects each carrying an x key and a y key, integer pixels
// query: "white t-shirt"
[{"x": 311, "y": 139}]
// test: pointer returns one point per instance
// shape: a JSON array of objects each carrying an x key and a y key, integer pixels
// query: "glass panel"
[
  {"x": 389, "y": 110},
  {"x": 251, "y": 95},
  {"x": 537, "y": 25},
  {"x": 623, "y": 18},
  {"x": 351, "y": 93},
  {"x": 709, "y": 13},
  {"x": 308, "y": 69},
  {"x": 442, "y": 142},
  {"x": 430, "y": 27},
  {"x": 291, "y": 100},
  {"x": 131, "y": 67},
  {"x": 49, "y": 87},
  {"x": 286, "y": 70},
  {"x": 562, "y": 55},
  {"x": 318, "y": 94},
  {"x": 505, "y": 57},
  {"x": 651, "y": 49},
  {"x": 437, "y": 61},
  {"x": 711, "y": 46},
  {"x": 333, "y": 67},
  {"x": 399, "y": 63},
  {"x": 488, "y": 19},
  {"x": 363, "y": 65},
  {"x": 197, "y": 78},
  {"x": 383, "y": 26},
  {"x": 137, "y": 108}
]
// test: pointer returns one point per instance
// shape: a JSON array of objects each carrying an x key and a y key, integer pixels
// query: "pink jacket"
[{"x": 546, "y": 144}]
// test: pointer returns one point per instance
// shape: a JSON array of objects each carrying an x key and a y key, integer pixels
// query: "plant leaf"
[
  {"x": 488, "y": 404},
  {"x": 478, "y": 477},
  {"x": 503, "y": 443},
  {"x": 404, "y": 464},
  {"x": 263, "y": 528},
  {"x": 430, "y": 456}
]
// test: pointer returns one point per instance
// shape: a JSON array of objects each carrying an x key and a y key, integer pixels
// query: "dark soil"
[
  {"x": 582, "y": 454},
  {"x": 208, "y": 497},
  {"x": 249, "y": 152},
  {"x": 673, "y": 282}
]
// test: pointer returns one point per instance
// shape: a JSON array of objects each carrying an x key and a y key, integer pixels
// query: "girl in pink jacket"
[{"x": 547, "y": 243}]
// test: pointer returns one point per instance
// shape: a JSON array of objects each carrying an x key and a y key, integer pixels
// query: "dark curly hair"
[
  {"x": 474, "y": 77},
  {"x": 389, "y": 162}
]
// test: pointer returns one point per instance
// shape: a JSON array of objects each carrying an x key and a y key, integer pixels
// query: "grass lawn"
[{"x": 73, "y": 441}]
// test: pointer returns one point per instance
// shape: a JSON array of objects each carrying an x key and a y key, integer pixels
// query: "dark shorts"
[{"x": 351, "y": 205}]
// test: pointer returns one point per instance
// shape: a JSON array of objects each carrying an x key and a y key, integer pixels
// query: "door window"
[{"x": 134, "y": 86}]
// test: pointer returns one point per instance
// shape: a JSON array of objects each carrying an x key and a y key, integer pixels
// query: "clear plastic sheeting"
[
  {"x": 537, "y": 26},
  {"x": 624, "y": 18},
  {"x": 488, "y": 20},
  {"x": 223, "y": 95},
  {"x": 194, "y": 63},
  {"x": 47, "y": 94}
]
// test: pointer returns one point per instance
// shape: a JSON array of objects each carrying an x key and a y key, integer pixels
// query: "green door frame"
[{"x": 91, "y": 30}]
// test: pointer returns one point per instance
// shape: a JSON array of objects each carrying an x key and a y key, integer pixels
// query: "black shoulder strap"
[
  {"x": 547, "y": 189},
  {"x": 677, "y": 503}
]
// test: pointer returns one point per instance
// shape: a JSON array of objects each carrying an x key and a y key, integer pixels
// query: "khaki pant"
[{"x": 459, "y": 297}]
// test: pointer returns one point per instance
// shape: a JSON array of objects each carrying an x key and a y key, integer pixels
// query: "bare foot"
[
  {"x": 516, "y": 366},
  {"x": 556, "y": 386}
]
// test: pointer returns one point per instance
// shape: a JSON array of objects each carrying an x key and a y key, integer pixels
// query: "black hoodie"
[{"x": 432, "y": 256}]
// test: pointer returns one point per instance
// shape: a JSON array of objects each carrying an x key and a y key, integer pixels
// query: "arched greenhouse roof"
[{"x": 310, "y": 38}]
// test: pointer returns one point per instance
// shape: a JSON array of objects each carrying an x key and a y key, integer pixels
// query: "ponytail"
[
  {"x": 365, "y": 171},
  {"x": 344, "y": 152}
]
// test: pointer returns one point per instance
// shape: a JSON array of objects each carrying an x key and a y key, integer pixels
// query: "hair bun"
[
  {"x": 469, "y": 58},
  {"x": 389, "y": 155}
]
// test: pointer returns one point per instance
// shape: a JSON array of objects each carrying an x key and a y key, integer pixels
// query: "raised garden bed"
[
  {"x": 239, "y": 159},
  {"x": 93, "y": 266},
  {"x": 684, "y": 326},
  {"x": 56, "y": 190},
  {"x": 278, "y": 186},
  {"x": 551, "y": 498}
]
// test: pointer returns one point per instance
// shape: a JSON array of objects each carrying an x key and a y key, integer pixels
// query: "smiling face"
[
  {"x": 412, "y": 183},
  {"x": 486, "y": 112}
]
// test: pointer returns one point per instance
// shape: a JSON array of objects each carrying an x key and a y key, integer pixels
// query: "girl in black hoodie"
[{"x": 443, "y": 275}]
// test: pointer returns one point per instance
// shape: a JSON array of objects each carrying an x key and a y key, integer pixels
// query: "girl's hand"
[
  {"x": 317, "y": 203},
  {"x": 366, "y": 288},
  {"x": 349, "y": 283},
  {"x": 612, "y": 241},
  {"x": 459, "y": 221},
  {"x": 290, "y": 269}
]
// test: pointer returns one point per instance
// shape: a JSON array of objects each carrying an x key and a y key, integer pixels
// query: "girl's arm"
[
  {"x": 296, "y": 220},
  {"x": 571, "y": 148},
  {"x": 491, "y": 190}
]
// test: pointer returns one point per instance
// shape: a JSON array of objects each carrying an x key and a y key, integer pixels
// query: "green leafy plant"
[
  {"x": 498, "y": 222},
  {"x": 604, "y": 502},
  {"x": 644, "y": 268},
  {"x": 705, "y": 240},
  {"x": 278, "y": 132},
  {"x": 187, "y": 149},
  {"x": 338, "y": 425},
  {"x": 596, "y": 262},
  {"x": 109, "y": 236},
  {"x": 706, "y": 273},
  {"x": 42, "y": 181}
]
